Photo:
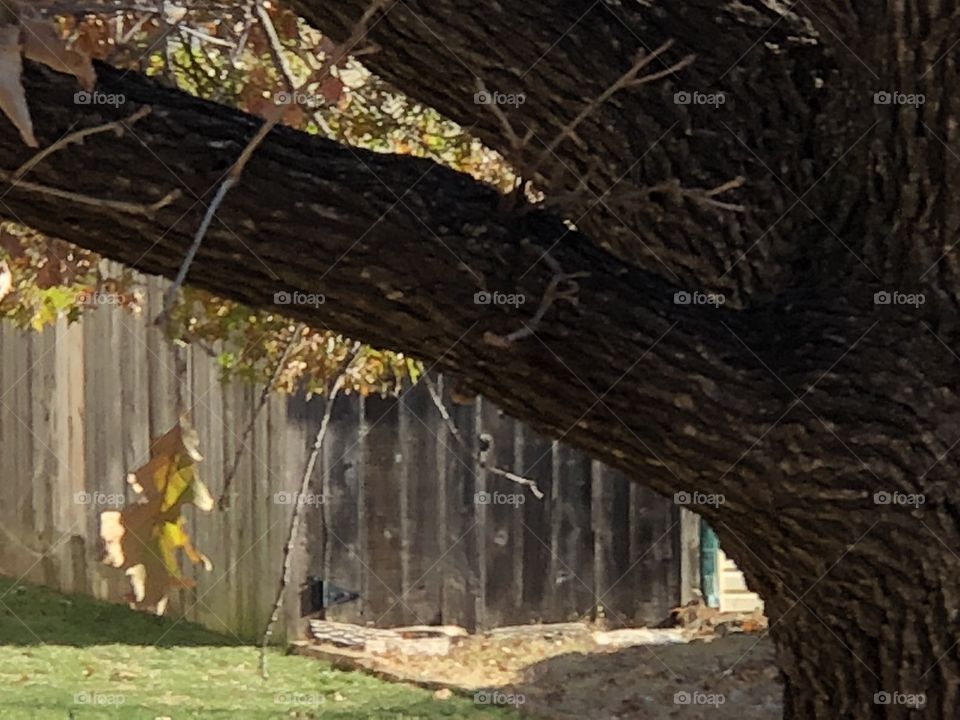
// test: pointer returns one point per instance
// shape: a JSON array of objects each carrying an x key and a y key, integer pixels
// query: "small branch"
[
  {"x": 356, "y": 36},
  {"x": 445, "y": 414},
  {"x": 526, "y": 171},
  {"x": 699, "y": 196},
  {"x": 333, "y": 390},
  {"x": 519, "y": 479},
  {"x": 562, "y": 286},
  {"x": 233, "y": 177},
  {"x": 276, "y": 47},
  {"x": 458, "y": 437},
  {"x": 224, "y": 501},
  {"x": 516, "y": 142},
  {"x": 117, "y": 126},
  {"x": 628, "y": 80},
  {"x": 148, "y": 211}
]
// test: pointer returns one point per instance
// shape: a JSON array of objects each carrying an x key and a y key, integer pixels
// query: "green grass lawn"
[{"x": 68, "y": 656}]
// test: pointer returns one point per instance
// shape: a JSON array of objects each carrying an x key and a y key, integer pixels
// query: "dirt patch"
[{"x": 585, "y": 674}]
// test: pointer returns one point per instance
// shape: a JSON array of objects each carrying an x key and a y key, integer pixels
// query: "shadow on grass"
[{"x": 34, "y": 615}]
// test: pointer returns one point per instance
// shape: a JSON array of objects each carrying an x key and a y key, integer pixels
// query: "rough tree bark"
[{"x": 799, "y": 400}]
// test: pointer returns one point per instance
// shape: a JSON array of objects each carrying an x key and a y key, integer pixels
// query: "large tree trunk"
[{"x": 798, "y": 401}]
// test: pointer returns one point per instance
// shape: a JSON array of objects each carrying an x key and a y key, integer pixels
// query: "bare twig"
[
  {"x": 699, "y": 196},
  {"x": 458, "y": 437},
  {"x": 629, "y": 79},
  {"x": 357, "y": 35},
  {"x": 276, "y": 47},
  {"x": 148, "y": 211},
  {"x": 233, "y": 177},
  {"x": 519, "y": 479},
  {"x": 118, "y": 126},
  {"x": 562, "y": 286},
  {"x": 224, "y": 501},
  {"x": 332, "y": 391},
  {"x": 526, "y": 170},
  {"x": 555, "y": 291}
]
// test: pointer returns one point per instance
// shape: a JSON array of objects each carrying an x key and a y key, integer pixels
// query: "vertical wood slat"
[
  {"x": 342, "y": 505},
  {"x": 571, "y": 539},
  {"x": 535, "y": 456},
  {"x": 288, "y": 455},
  {"x": 503, "y": 531},
  {"x": 382, "y": 459},
  {"x": 610, "y": 510},
  {"x": 420, "y": 423},
  {"x": 17, "y": 454},
  {"x": 44, "y": 460},
  {"x": 68, "y": 438},
  {"x": 654, "y": 567},
  {"x": 458, "y": 538}
]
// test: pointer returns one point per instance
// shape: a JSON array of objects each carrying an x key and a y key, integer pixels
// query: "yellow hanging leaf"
[{"x": 145, "y": 538}]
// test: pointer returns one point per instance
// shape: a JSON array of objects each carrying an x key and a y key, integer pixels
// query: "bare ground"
[{"x": 668, "y": 676}]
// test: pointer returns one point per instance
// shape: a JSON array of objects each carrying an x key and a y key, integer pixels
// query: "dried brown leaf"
[
  {"x": 24, "y": 34},
  {"x": 43, "y": 44},
  {"x": 13, "y": 101}
]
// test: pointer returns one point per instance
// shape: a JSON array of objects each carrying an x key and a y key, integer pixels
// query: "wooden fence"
[{"x": 397, "y": 515}]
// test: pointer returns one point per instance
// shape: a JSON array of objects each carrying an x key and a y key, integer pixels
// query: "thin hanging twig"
[
  {"x": 458, "y": 436},
  {"x": 233, "y": 177},
  {"x": 332, "y": 391},
  {"x": 276, "y": 47},
  {"x": 224, "y": 501}
]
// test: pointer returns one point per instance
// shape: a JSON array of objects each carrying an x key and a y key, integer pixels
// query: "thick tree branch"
[
  {"x": 398, "y": 246},
  {"x": 764, "y": 64}
]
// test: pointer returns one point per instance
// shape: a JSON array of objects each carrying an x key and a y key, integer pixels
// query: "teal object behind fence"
[{"x": 709, "y": 572}]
